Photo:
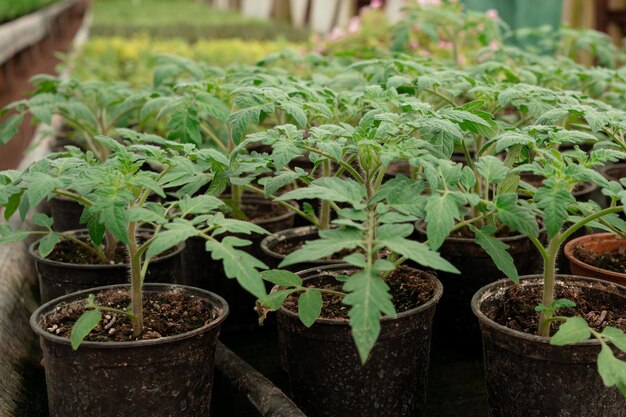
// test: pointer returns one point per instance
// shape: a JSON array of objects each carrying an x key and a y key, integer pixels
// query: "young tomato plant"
[{"x": 115, "y": 195}]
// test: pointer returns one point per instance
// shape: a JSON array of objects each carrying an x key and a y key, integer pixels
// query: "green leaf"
[
  {"x": 574, "y": 330},
  {"x": 176, "y": 233},
  {"x": 369, "y": 298},
  {"x": 515, "y": 216},
  {"x": 441, "y": 213},
  {"x": 331, "y": 189},
  {"x": 42, "y": 220},
  {"x": 276, "y": 299},
  {"x": 611, "y": 369},
  {"x": 10, "y": 127},
  {"x": 9, "y": 236},
  {"x": 554, "y": 201},
  {"x": 83, "y": 326},
  {"x": 393, "y": 237},
  {"x": 296, "y": 112},
  {"x": 201, "y": 204},
  {"x": 615, "y": 336},
  {"x": 282, "y": 278},
  {"x": 115, "y": 220},
  {"x": 492, "y": 169},
  {"x": 47, "y": 243},
  {"x": 142, "y": 215},
  {"x": 309, "y": 306},
  {"x": 184, "y": 125},
  {"x": 39, "y": 186},
  {"x": 330, "y": 242},
  {"x": 497, "y": 250},
  {"x": 239, "y": 264}
]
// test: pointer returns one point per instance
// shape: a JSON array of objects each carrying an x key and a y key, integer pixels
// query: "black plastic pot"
[
  {"x": 65, "y": 213},
  {"x": 455, "y": 326},
  {"x": 293, "y": 237},
  {"x": 326, "y": 375},
  {"x": 526, "y": 376},
  {"x": 203, "y": 272},
  {"x": 168, "y": 377},
  {"x": 60, "y": 278}
]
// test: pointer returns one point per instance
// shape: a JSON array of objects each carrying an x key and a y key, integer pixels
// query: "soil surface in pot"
[
  {"x": 409, "y": 289},
  {"x": 67, "y": 251},
  {"x": 599, "y": 308},
  {"x": 166, "y": 313},
  {"x": 613, "y": 260}
]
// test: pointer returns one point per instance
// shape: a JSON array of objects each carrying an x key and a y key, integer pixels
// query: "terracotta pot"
[{"x": 598, "y": 242}]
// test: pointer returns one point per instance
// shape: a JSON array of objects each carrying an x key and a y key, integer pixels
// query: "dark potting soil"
[
  {"x": 71, "y": 252},
  {"x": 600, "y": 309},
  {"x": 260, "y": 212},
  {"x": 614, "y": 260},
  {"x": 166, "y": 313},
  {"x": 409, "y": 289}
]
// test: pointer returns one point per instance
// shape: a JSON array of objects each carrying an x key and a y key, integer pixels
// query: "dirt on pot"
[
  {"x": 409, "y": 289},
  {"x": 165, "y": 314},
  {"x": 599, "y": 308},
  {"x": 611, "y": 260}
]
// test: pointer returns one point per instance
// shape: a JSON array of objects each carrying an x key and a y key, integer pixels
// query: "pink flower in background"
[
  {"x": 376, "y": 4},
  {"x": 492, "y": 14},
  {"x": 444, "y": 45},
  {"x": 336, "y": 34},
  {"x": 461, "y": 60},
  {"x": 354, "y": 25},
  {"x": 414, "y": 44},
  {"x": 429, "y": 2},
  {"x": 425, "y": 54},
  {"x": 494, "y": 44}
]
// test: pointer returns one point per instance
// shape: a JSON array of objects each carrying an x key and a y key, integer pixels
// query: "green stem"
[
  {"x": 582, "y": 222},
  {"x": 135, "y": 281},
  {"x": 549, "y": 277},
  {"x": 214, "y": 137},
  {"x": 325, "y": 208},
  {"x": 76, "y": 197},
  {"x": 441, "y": 96}
]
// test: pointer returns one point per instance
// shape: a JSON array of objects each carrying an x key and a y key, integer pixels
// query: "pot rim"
[
  {"x": 35, "y": 255},
  {"x": 419, "y": 229},
  {"x": 345, "y": 322},
  {"x": 529, "y": 280},
  {"x": 264, "y": 201},
  {"x": 222, "y": 305},
  {"x": 289, "y": 233},
  {"x": 605, "y": 168},
  {"x": 569, "y": 253}
]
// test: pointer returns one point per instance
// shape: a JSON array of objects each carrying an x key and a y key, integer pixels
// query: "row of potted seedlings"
[{"x": 399, "y": 167}]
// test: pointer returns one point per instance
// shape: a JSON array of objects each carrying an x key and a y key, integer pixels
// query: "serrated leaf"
[
  {"x": 515, "y": 216},
  {"x": 492, "y": 169},
  {"x": 330, "y": 242},
  {"x": 238, "y": 264},
  {"x": 40, "y": 185},
  {"x": 441, "y": 213},
  {"x": 47, "y": 244},
  {"x": 611, "y": 369},
  {"x": 83, "y": 326},
  {"x": 174, "y": 234},
  {"x": 615, "y": 336},
  {"x": 497, "y": 250},
  {"x": 309, "y": 306},
  {"x": 282, "y": 278},
  {"x": 199, "y": 204},
  {"x": 554, "y": 201},
  {"x": 574, "y": 330},
  {"x": 369, "y": 298},
  {"x": 10, "y": 127},
  {"x": 276, "y": 299},
  {"x": 42, "y": 220},
  {"x": 184, "y": 126},
  {"x": 393, "y": 237},
  {"x": 331, "y": 189},
  {"x": 142, "y": 215}
]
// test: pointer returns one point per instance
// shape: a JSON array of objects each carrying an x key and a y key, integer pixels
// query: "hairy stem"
[
  {"x": 325, "y": 208},
  {"x": 549, "y": 276},
  {"x": 135, "y": 280}
]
